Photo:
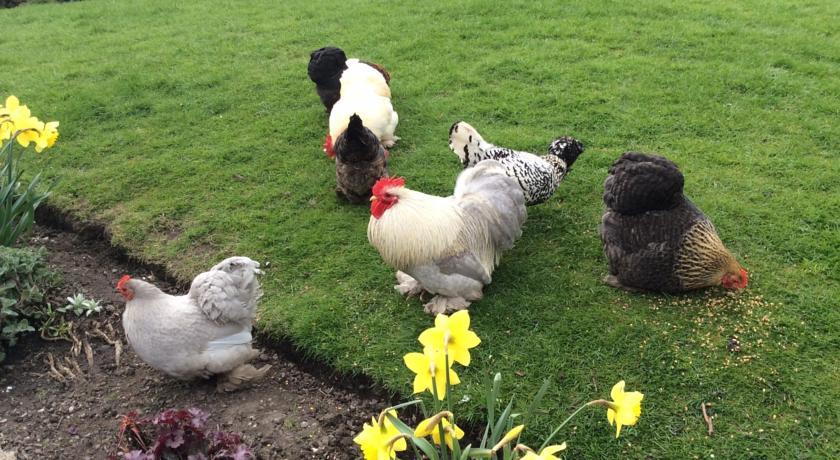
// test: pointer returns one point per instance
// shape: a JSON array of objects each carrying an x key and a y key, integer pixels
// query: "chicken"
[
  {"x": 360, "y": 161},
  {"x": 654, "y": 237},
  {"x": 447, "y": 246},
  {"x": 376, "y": 112},
  {"x": 329, "y": 64},
  {"x": 205, "y": 332},
  {"x": 539, "y": 176}
]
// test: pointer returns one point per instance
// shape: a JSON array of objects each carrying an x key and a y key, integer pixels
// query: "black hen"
[
  {"x": 325, "y": 68},
  {"x": 657, "y": 239},
  {"x": 360, "y": 160}
]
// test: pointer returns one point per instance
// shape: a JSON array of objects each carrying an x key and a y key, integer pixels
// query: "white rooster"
[
  {"x": 447, "y": 246},
  {"x": 205, "y": 332},
  {"x": 539, "y": 176}
]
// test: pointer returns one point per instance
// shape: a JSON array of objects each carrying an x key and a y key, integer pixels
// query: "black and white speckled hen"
[
  {"x": 539, "y": 176},
  {"x": 360, "y": 160},
  {"x": 654, "y": 237}
]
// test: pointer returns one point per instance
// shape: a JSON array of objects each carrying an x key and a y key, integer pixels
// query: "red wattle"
[{"x": 328, "y": 147}]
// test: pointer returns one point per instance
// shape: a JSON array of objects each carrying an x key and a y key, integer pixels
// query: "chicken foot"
[
  {"x": 612, "y": 280},
  {"x": 442, "y": 304},
  {"x": 245, "y": 373},
  {"x": 409, "y": 286}
]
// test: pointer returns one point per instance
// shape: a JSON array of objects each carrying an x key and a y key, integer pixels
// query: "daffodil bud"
[{"x": 508, "y": 437}]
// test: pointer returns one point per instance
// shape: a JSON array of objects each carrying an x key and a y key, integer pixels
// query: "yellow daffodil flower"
[
  {"x": 625, "y": 408},
  {"x": 430, "y": 427},
  {"x": 376, "y": 439},
  {"x": 47, "y": 136},
  {"x": 29, "y": 130},
  {"x": 430, "y": 367},
  {"x": 546, "y": 454},
  {"x": 6, "y": 124},
  {"x": 452, "y": 335},
  {"x": 15, "y": 117}
]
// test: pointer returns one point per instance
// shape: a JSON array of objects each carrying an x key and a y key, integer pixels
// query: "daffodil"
[
  {"x": 430, "y": 427},
  {"x": 15, "y": 117},
  {"x": 546, "y": 454},
  {"x": 508, "y": 437},
  {"x": 29, "y": 130},
  {"x": 47, "y": 136},
  {"x": 430, "y": 367},
  {"x": 452, "y": 335},
  {"x": 380, "y": 440},
  {"x": 625, "y": 408}
]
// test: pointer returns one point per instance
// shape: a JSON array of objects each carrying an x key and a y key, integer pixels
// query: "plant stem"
[{"x": 557, "y": 430}]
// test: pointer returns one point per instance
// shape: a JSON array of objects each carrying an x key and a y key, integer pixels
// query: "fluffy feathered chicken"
[
  {"x": 657, "y": 239},
  {"x": 447, "y": 246},
  {"x": 359, "y": 162},
  {"x": 539, "y": 176},
  {"x": 348, "y": 87},
  {"x": 205, "y": 332},
  {"x": 328, "y": 65},
  {"x": 376, "y": 112}
]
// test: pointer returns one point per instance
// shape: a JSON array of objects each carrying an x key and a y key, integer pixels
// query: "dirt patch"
[{"x": 301, "y": 411}]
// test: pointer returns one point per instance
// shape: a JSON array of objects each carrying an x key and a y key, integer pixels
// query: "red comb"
[
  {"x": 122, "y": 281},
  {"x": 387, "y": 182},
  {"x": 328, "y": 148}
]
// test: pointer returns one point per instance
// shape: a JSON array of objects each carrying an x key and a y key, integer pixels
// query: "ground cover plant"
[
  {"x": 192, "y": 131},
  {"x": 25, "y": 278}
]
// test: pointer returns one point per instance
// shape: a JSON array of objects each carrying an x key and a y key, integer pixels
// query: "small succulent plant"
[{"x": 81, "y": 305}]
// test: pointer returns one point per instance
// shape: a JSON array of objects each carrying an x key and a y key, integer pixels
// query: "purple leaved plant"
[{"x": 177, "y": 434}]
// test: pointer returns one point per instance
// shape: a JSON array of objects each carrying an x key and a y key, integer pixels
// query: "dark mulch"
[{"x": 300, "y": 411}]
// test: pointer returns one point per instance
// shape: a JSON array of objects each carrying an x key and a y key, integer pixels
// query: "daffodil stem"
[
  {"x": 557, "y": 430},
  {"x": 448, "y": 385},
  {"x": 522, "y": 448},
  {"x": 397, "y": 438},
  {"x": 444, "y": 452},
  {"x": 10, "y": 159}
]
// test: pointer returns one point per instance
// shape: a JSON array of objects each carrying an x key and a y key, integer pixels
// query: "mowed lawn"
[{"x": 193, "y": 132}]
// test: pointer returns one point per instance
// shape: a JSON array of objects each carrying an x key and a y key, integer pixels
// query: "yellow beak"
[{"x": 373, "y": 198}]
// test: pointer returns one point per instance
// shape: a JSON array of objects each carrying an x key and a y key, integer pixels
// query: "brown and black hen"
[
  {"x": 360, "y": 160},
  {"x": 654, "y": 237}
]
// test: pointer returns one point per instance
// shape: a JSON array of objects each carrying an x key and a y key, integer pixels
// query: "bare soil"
[{"x": 300, "y": 411}]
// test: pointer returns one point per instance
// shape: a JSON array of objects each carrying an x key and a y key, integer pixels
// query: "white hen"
[
  {"x": 362, "y": 94},
  {"x": 360, "y": 74},
  {"x": 205, "y": 332}
]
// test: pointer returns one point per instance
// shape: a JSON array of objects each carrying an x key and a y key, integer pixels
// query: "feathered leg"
[
  {"x": 408, "y": 286},
  {"x": 242, "y": 374},
  {"x": 613, "y": 281},
  {"x": 442, "y": 304}
]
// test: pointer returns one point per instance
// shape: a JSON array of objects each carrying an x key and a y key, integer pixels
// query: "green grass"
[{"x": 192, "y": 131}]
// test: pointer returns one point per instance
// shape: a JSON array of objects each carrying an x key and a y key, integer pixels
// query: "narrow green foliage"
[{"x": 17, "y": 202}]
